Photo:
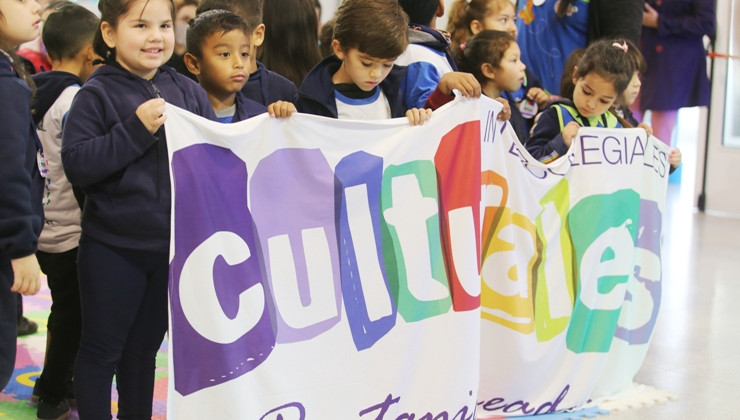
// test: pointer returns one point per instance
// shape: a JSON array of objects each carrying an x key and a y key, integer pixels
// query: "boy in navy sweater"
[
  {"x": 263, "y": 86},
  {"x": 219, "y": 45}
]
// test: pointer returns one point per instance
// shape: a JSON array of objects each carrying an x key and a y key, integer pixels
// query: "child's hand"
[
  {"x": 675, "y": 157},
  {"x": 646, "y": 127},
  {"x": 538, "y": 95},
  {"x": 281, "y": 109},
  {"x": 569, "y": 132},
  {"x": 464, "y": 82},
  {"x": 505, "y": 113},
  {"x": 26, "y": 275},
  {"x": 151, "y": 114},
  {"x": 417, "y": 116}
]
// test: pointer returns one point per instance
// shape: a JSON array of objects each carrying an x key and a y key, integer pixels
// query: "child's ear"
[
  {"x": 337, "y": 48},
  {"x": 191, "y": 62},
  {"x": 109, "y": 34},
  {"x": 575, "y": 71},
  {"x": 475, "y": 26},
  {"x": 258, "y": 35},
  {"x": 440, "y": 8},
  {"x": 487, "y": 70}
]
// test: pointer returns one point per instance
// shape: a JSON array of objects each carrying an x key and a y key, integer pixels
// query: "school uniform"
[
  {"x": 266, "y": 87},
  {"x": 246, "y": 108},
  {"x": 57, "y": 254},
  {"x": 124, "y": 249},
  {"x": 21, "y": 187},
  {"x": 546, "y": 143},
  {"x": 317, "y": 93},
  {"x": 427, "y": 59},
  {"x": 527, "y": 108}
]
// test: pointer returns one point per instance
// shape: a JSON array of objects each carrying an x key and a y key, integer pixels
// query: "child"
[
  {"x": 468, "y": 19},
  {"x": 428, "y": 57},
  {"x": 185, "y": 11},
  {"x": 621, "y": 106},
  {"x": 493, "y": 57},
  {"x": 602, "y": 74},
  {"x": 360, "y": 81},
  {"x": 68, "y": 34},
  {"x": 114, "y": 148},
  {"x": 21, "y": 183},
  {"x": 263, "y": 86},
  {"x": 218, "y": 54}
]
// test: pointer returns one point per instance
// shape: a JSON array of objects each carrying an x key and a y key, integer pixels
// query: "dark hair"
[
  {"x": 249, "y": 10},
  {"x": 68, "y": 30},
  {"x": 636, "y": 57},
  {"x": 462, "y": 13},
  {"x": 291, "y": 45},
  {"x": 608, "y": 59},
  {"x": 421, "y": 12},
  {"x": 209, "y": 23},
  {"x": 325, "y": 37},
  {"x": 487, "y": 46},
  {"x": 378, "y": 28},
  {"x": 111, "y": 11},
  {"x": 566, "y": 80}
]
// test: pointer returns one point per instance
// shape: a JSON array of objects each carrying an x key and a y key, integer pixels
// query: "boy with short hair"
[
  {"x": 264, "y": 86},
  {"x": 68, "y": 36},
  {"x": 218, "y": 54},
  {"x": 361, "y": 81}
]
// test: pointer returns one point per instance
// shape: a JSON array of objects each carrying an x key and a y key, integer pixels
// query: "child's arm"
[
  {"x": 648, "y": 129},
  {"x": 466, "y": 83},
  {"x": 417, "y": 116},
  {"x": 281, "y": 109},
  {"x": 539, "y": 95},
  {"x": 675, "y": 158},
  {"x": 547, "y": 142},
  {"x": 92, "y": 151},
  {"x": 26, "y": 275}
]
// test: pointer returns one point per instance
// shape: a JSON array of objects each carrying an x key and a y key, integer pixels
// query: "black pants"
[
  {"x": 64, "y": 324},
  {"x": 8, "y": 322},
  {"x": 124, "y": 318}
]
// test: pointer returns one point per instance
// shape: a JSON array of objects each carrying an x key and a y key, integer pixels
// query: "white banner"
[
  {"x": 325, "y": 269},
  {"x": 330, "y": 269},
  {"x": 571, "y": 270}
]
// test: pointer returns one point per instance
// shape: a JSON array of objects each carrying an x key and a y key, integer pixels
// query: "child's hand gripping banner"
[
  {"x": 328, "y": 269},
  {"x": 325, "y": 269}
]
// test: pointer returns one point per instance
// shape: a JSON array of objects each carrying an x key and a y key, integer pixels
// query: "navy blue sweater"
[
  {"x": 121, "y": 167},
  {"x": 316, "y": 94},
  {"x": 247, "y": 108},
  {"x": 21, "y": 184},
  {"x": 265, "y": 86}
]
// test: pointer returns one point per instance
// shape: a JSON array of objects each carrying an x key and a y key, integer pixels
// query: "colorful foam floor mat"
[{"x": 15, "y": 399}]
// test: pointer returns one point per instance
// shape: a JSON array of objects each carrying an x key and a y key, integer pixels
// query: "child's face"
[
  {"x": 593, "y": 94},
  {"x": 19, "y": 21},
  {"x": 503, "y": 20},
  {"x": 363, "y": 70},
  {"x": 629, "y": 95},
  {"x": 509, "y": 75},
  {"x": 144, "y": 38},
  {"x": 224, "y": 66}
]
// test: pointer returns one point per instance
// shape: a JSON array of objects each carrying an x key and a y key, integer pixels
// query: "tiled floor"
[{"x": 696, "y": 345}]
